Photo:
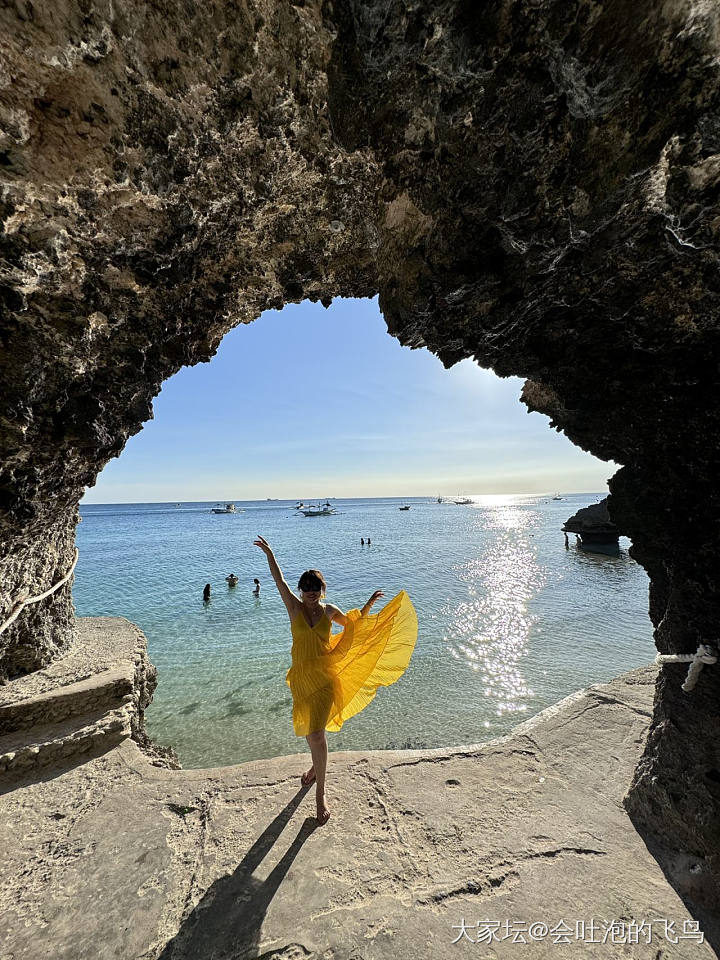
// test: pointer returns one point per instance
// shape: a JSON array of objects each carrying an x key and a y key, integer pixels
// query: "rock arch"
[{"x": 531, "y": 184}]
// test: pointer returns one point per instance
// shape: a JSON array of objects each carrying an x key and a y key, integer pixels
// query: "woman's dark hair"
[{"x": 312, "y": 580}]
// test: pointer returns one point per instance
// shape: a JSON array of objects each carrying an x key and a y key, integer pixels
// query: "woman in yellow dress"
[{"x": 335, "y": 676}]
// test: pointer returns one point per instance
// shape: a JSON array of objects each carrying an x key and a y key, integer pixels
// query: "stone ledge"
[
  {"x": 99, "y": 644},
  {"x": 56, "y": 742},
  {"x": 229, "y": 863},
  {"x": 107, "y": 689},
  {"x": 87, "y": 701}
]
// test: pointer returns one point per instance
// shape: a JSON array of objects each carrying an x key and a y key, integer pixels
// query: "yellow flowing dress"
[{"x": 335, "y": 676}]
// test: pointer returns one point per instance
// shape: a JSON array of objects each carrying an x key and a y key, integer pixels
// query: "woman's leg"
[{"x": 319, "y": 750}]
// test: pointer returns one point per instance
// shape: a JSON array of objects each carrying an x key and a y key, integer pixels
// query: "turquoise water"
[{"x": 509, "y": 620}]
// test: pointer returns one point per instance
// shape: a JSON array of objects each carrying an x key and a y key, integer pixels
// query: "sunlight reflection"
[
  {"x": 490, "y": 630},
  {"x": 494, "y": 499},
  {"x": 503, "y": 511}
]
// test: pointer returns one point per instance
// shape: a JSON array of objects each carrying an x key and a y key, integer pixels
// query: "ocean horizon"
[{"x": 212, "y": 501}]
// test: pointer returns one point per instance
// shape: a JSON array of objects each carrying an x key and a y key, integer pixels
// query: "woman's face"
[{"x": 311, "y": 597}]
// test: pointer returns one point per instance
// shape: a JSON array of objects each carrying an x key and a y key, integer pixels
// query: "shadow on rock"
[
  {"x": 226, "y": 924},
  {"x": 695, "y": 879}
]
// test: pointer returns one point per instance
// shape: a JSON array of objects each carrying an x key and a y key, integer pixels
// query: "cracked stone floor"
[{"x": 116, "y": 858}]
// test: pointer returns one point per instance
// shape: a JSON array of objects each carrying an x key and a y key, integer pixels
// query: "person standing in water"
[
  {"x": 256, "y": 591},
  {"x": 206, "y": 593},
  {"x": 335, "y": 676}
]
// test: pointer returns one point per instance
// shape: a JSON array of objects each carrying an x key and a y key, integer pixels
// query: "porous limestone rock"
[{"x": 533, "y": 183}]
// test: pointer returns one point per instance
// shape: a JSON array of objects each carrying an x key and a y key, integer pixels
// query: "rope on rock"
[
  {"x": 24, "y": 601},
  {"x": 705, "y": 654}
]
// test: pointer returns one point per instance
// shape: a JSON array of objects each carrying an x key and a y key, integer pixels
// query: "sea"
[{"x": 510, "y": 619}]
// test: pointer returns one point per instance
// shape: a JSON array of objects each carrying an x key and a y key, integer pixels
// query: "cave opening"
[{"x": 308, "y": 403}]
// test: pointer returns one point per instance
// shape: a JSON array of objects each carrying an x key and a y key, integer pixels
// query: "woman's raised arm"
[{"x": 289, "y": 599}]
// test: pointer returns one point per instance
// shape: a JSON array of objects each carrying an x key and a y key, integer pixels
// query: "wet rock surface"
[{"x": 531, "y": 184}]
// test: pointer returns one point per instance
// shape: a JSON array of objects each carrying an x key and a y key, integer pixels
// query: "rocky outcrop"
[
  {"x": 596, "y": 517},
  {"x": 168, "y": 172},
  {"x": 594, "y": 527},
  {"x": 82, "y": 705},
  {"x": 531, "y": 184}
]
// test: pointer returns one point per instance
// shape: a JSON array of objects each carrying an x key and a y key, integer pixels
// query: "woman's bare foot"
[
  {"x": 307, "y": 778},
  {"x": 323, "y": 811}
]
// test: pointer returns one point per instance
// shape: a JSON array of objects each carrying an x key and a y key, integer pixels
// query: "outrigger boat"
[{"x": 324, "y": 510}]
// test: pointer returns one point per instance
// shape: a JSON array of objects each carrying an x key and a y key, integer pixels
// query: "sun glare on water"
[{"x": 491, "y": 629}]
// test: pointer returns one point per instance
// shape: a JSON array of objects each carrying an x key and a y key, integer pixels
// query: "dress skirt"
[{"x": 335, "y": 676}]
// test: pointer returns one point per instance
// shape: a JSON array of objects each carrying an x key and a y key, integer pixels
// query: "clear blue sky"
[{"x": 308, "y": 403}]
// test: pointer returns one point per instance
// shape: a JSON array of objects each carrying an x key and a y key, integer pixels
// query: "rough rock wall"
[
  {"x": 549, "y": 205},
  {"x": 532, "y": 182},
  {"x": 168, "y": 172}
]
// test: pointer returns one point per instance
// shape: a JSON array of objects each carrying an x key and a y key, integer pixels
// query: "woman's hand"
[
  {"x": 264, "y": 546},
  {"x": 371, "y": 601}
]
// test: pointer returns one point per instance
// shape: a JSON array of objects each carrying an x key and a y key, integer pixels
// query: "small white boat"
[
  {"x": 463, "y": 501},
  {"x": 228, "y": 508},
  {"x": 406, "y": 507}
]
